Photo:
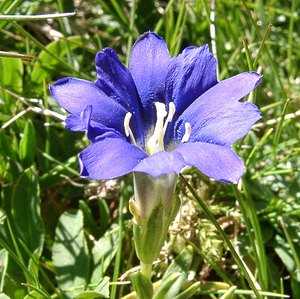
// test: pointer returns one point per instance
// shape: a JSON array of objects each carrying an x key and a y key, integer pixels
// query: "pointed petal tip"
[
  {"x": 148, "y": 35},
  {"x": 59, "y": 82},
  {"x": 106, "y": 51},
  {"x": 255, "y": 76}
]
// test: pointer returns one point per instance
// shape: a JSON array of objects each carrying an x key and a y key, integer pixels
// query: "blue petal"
[
  {"x": 94, "y": 130},
  {"x": 75, "y": 122},
  {"x": 110, "y": 157},
  {"x": 75, "y": 94},
  {"x": 148, "y": 65},
  {"x": 116, "y": 81},
  {"x": 161, "y": 163},
  {"x": 218, "y": 116},
  {"x": 189, "y": 75},
  {"x": 215, "y": 161}
]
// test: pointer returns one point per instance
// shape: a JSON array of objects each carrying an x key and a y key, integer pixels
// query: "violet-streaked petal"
[
  {"x": 161, "y": 163},
  {"x": 116, "y": 81},
  {"x": 218, "y": 116},
  {"x": 148, "y": 65},
  {"x": 218, "y": 162},
  {"x": 189, "y": 75},
  {"x": 75, "y": 94},
  {"x": 109, "y": 158}
]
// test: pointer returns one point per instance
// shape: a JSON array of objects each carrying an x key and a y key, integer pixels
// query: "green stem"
[
  {"x": 120, "y": 241},
  {"x": 146, "y": 270},
  {"x": 254, "y": 231},
  {"x": 131, "y": 26}
]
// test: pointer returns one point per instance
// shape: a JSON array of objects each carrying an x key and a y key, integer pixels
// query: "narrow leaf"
[
  {"x": 189, "y": 292},
  {"x": 27, "y": 147},
  {"x": 3, "y": 267},
  {"x": 182, "y": 263},
  {"x": 170, "y": 286},
  {"x": 142, "y": 285},
  {"x": 26, "y": 212}
]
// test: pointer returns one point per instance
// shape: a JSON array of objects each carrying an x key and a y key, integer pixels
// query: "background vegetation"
[{"x": 61, "y": 234}]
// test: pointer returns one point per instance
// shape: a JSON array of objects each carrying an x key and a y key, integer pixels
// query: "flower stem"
[{"x": 146, "y": 270}]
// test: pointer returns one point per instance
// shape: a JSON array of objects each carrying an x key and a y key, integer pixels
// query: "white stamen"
[
  {"x": 156, "y": 141},
  {"x": 171, "y": 113},
  {"x": 160, "y": 112},
  {"x": 187, "y": 133},
  {"x": 127, "y": 129},
  {"x": 126, "y": 123}
]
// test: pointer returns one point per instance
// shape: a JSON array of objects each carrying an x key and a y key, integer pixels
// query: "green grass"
[{"x": 245, "y": 238}]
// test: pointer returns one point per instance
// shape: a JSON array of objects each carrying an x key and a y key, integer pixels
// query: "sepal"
[{"x": 154, "y": 208}]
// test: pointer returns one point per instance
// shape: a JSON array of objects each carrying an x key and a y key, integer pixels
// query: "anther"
[
  {"x": 126, "y": 123},
  {"x": 127, "y": 129},
  {"x": 187, "y": 132},
  {"x": 171, "y": 113}
]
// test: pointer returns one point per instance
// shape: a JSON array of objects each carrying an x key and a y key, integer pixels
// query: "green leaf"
[
  {"x": 34, "y": 295},
  {"x": 46, "y": 64},
  {"x": 101, "y": 291},
  {"x": 25, "y": 205},
  {"x": 3, "y": 296},
  {"x": 103, "y": 252},
  {"x": 89, "y": 295},
  {"x": 6, "y": 146},
  {"x": 103, "y": 287},
  {"x": 70, "y": 254},
  {"x": 2, "y": 216},
  {"x": 170, "y": 286},
  {"x": 3, "y": 267},
  {"x": 295, "y": 284},
  {"x": 182, "y": 262},
  {"x": 11, "y": 74},
  {"x": 283, "y": 250},
  {"x": 176, "y": 275},
  {"x": 27, "y": 147},
  {"x": 142, "y": 285},
  {"x": 89, "y": 221},
  {"x": 229, "y": 293},
  {"x": 189, "y": 292}
]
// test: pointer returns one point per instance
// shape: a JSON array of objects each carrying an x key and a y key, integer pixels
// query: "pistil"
[{"x": 156, "y": 141}]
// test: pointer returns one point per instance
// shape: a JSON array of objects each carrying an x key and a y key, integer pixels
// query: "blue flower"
[{"x": 160, "y": 115}]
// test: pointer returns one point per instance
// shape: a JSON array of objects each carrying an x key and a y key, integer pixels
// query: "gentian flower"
[
  {"x": 153, "y": 119},
  {"x": 160, "y": 115}
]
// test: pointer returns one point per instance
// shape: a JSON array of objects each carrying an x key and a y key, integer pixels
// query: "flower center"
[{"x": 156, "y": 141}]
